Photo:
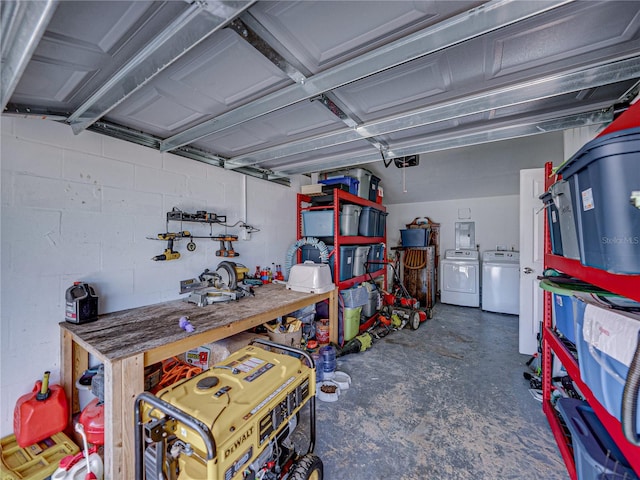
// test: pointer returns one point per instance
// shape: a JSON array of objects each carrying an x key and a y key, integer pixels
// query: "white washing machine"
[
  {"x": 460, "y": 278},
  {"x": 501, "y": 282}
]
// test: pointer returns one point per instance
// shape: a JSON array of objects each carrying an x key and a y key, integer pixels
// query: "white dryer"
[
  {"x": 460, "y": 283},
  {"x": 501, "y": 282}
]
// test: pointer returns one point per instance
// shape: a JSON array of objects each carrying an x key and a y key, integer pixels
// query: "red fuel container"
[
  {"x": 40, "y": 414},
  {"x": 92, "y": 419}
]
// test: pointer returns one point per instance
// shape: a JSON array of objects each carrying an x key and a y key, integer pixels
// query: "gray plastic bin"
[
  {"x": 561, "y": 194},
  {"x": 350, "y": 219},
  {"x": 358, "y": 260},
  {"x": 604, "y": 176}
]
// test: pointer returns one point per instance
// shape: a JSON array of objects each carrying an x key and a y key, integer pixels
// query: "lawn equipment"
[
  {"x": 399, "y": 302},
  {"x": 234, "y": 421}
]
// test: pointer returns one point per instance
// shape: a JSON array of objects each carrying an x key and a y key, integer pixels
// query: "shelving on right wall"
[{"x": 626, "y": 285}]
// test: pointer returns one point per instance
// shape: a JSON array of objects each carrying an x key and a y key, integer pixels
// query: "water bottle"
[
  {"x": 328, "y": 356},
  {"x": 318, "y": 360}
]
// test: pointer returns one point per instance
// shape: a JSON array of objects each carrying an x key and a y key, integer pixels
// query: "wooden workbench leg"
[
  {"x": 66, "y": 365},
  {"x": 113, "y": 454},
  {"x": 132, "y": 386},
  {"x": 333, "y": 317}
]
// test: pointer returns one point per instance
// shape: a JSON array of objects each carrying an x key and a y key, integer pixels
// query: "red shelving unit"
[
  {"x": 341, "y": 197},
  {"x": 625, "y": 285}
]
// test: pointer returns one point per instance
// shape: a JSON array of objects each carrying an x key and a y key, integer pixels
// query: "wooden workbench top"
[{"x": 137, "y": 330}]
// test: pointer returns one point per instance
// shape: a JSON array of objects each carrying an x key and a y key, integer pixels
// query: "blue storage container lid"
[
  {"x": 592, "y": 441},
  {"x": 616, "y": 143}
]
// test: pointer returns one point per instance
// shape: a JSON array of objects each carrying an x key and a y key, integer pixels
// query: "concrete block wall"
[{"x": 80, "y": 208}]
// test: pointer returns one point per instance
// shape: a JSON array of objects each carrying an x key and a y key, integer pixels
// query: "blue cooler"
[
  {"x": 603, "y": 176},
  {"x": 594, "y": 451},
  {"x": 610, "y": 338}
]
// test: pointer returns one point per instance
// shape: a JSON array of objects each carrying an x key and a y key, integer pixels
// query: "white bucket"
[{"x": 84, "y": 394}]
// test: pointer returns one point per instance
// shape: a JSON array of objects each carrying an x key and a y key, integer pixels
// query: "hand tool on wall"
[
  {"x": 226, "y": 246},
  {"x": 169, "y": 253}
]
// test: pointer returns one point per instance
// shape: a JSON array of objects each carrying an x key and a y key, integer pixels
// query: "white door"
[{"x": 531, "y": 257}]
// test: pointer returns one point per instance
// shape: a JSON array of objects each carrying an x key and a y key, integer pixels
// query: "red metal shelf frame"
[
  {"x": 625, "y": 285},
  {"x": 339, "y": 197}
]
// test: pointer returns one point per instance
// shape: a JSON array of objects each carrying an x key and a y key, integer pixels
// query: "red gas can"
[
  {"x": 92, "y": 419},
  {"x": 41, "y": 413}
]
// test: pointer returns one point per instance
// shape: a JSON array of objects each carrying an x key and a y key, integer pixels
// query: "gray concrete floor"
[{"x": 447, "y": 401}]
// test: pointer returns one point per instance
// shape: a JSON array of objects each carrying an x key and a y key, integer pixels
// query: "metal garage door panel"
[
  {"x": 389, "y": 92},
  {"x": 562, "y": 105},
  {"x": 285, "y": 125},
  {"x": 218, "y": 75},
  {"x": 512, "y": 54},
  {"x": 82, "y": 46},
  {"x": 320, "y": 34},
  {"x": 589, "y": 28}
]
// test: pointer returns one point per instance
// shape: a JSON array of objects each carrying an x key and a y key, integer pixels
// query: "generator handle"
[
  {"x": 281, "y": 346},
  {"x": 173, "y": 412}
]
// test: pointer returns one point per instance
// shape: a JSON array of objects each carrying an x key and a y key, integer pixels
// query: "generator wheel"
[
  {"x": 414, "y": 320},
  {"x": 308, "y": 467}
]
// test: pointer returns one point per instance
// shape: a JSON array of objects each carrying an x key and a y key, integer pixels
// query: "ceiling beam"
[
  {"x": 508, "y": 129},
  {"x": 533, "y": 90},
  {"x": 505, "y": 130},
  {"x": 23, "y": 24},
  {"x": 479, "y": 21},
  {"x": 199, "y": 21}
]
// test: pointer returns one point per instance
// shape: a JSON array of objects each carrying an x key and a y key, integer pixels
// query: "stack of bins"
[
  {"x": 603, "y": 177},
  {"x": 367, "y": 182}
]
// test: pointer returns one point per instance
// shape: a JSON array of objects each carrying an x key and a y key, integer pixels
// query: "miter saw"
[{"x": 221, "y": 285}]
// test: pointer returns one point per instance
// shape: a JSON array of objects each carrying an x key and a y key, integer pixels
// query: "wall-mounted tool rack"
[{"x": 200, "y": 216}]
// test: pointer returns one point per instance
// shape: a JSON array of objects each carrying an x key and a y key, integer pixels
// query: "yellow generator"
[{"x": 231, "y": 422}]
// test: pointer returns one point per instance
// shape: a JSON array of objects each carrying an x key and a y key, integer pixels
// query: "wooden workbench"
[{"x": 127, "y": 341}]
